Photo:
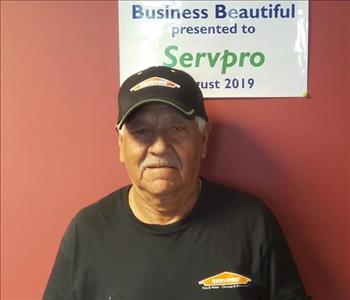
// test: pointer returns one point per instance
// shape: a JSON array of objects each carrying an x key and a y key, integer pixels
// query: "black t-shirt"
[{"x": 229, "y": 247}]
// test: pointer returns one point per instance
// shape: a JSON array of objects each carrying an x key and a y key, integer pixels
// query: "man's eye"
[
  {"x": 177, "y": 128},
  {"x": 143, "y": 131}
]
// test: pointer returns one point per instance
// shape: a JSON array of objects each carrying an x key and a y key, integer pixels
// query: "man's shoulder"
[
  {"x": 229, "y": 195},
  {"x": 228, "y": 200},
  {"x": 103, "y": 209},
  {"x": 228, "y": 207}
]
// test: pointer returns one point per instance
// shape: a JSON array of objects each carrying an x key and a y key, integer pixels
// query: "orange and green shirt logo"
[{"x": 225, "y": 278}]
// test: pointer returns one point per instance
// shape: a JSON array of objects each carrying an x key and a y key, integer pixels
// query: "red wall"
[{"x": 59, "y": 153}]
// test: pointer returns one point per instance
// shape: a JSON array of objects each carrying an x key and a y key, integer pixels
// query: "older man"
[{"x": 171, "y": 235}]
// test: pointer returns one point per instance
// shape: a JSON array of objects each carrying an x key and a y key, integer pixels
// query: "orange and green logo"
[
  {"x": 154, "y": 81},
  {"x": 225, "y": 278}
]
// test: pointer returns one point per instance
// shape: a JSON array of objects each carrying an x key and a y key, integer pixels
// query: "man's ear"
[
  {"x": 120, "y": 137},
  {"x": 206, "y": 132}
]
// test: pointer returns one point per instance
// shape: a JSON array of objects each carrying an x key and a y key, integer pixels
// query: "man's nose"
[{"x": 159, "y": 145}]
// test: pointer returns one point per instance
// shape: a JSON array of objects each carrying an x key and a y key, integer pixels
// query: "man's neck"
[{"x": 163, "y": 210}]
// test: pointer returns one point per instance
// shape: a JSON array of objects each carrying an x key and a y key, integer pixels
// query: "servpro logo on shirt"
[
  {"x": 225, "y": 280},
  {"x": 154, "y": 81}
]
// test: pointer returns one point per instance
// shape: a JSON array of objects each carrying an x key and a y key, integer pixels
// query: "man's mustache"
[{"x": 158, "y": 162}]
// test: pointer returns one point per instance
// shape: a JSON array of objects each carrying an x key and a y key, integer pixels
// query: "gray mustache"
[{"x": 151, "y": 161}]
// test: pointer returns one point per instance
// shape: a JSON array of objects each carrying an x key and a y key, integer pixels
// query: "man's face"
[{"x": 161, "y": 149}]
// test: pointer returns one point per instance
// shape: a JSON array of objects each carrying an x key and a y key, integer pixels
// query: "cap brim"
[{"x": 187, "y": 114}]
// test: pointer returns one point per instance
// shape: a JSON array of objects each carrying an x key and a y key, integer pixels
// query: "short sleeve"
[
  {"x": 59, "y": 283},
  {"x": 281, "y": 278}
]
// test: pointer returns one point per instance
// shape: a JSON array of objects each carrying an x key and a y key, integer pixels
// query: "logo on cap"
[{"x": 154, "y": 81}]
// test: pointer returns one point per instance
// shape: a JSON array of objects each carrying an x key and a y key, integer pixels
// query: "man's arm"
[
  {"x": 281, "y": 277},
  {"x": 59, "y": 283}
]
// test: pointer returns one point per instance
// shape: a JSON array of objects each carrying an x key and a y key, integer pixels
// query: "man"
[{"x": 171, "y": 235}]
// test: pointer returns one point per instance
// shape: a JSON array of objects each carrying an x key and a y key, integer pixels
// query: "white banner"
[{"x": 231, "y": 48}]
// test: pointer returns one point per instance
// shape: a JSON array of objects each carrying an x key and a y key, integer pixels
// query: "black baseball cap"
[{"x": 161, "y": 85}]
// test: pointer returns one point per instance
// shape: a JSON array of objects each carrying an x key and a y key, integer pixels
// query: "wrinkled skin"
[{"x": 162, "y": 150}]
